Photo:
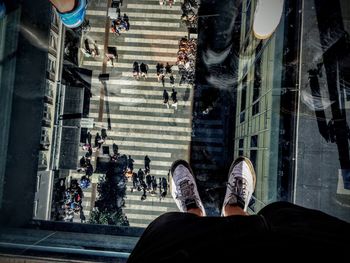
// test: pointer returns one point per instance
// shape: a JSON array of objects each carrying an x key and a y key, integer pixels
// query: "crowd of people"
[
  {"x": 85, "y": 165},
  {"x": 186, "y": 59},
  {"x": 70, "y": 199},
  {"x": 119, "y": 25},
  {"x": 165, "y": 71},
  {"x": 142, "y": 180},
  {"x": 73, "y": 200},
  {"x": 190, "y": 13}
]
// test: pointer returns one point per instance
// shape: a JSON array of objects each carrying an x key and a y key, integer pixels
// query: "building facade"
[
  {"x": 261, "y": 120},
  {"x": 292, "y": 106},
  {"x": 49, "y": 129}
]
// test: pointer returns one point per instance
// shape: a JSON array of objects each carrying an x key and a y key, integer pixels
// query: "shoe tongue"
[
  {"x": 233, "y": 200},
  {"x": 186, "y": 189},
  {"x": 190, "y": 203},
  {"x": 236, "y": 200}
]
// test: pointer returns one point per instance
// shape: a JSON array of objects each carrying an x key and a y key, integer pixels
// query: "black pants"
[{"x": 280, "y": 228}]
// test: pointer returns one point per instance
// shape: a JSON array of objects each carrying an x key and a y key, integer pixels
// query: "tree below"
[{"x": 108, "y": 208}]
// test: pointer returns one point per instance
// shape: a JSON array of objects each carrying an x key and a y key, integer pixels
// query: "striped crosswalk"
[
  {"x": 143, "y": 118},
  {"x": 131, "y": 100},
  {"x": 151, "y": 41},
  {"x": 151, "y": 136},
  {"x": 147, "y": 49},
  {"x": 155, "y": 24},
  {"x": 145, "y": 109},
  {"x": 139, "y": 83},
  {"x": 150, "y": 7},
  {"x": 139, "y": 121}
]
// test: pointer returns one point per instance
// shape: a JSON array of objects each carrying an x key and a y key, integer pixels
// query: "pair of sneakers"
[{"x": 239, "y": 191}]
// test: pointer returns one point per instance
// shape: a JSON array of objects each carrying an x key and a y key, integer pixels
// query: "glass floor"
[{"x": 94, "y": 116}]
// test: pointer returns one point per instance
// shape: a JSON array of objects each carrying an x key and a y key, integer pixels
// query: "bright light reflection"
[{"x": 267, "y": 17}]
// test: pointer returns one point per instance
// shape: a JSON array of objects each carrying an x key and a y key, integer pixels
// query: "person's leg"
[
  {"x": 185, "y": 237},
  {"x": 307, "y": 231},
  {"x": 232, "y": 210},
  {"x": 240, "y": 187},
  {"x": 63, "y": 6},
  {"x": 71, "y": 12}
]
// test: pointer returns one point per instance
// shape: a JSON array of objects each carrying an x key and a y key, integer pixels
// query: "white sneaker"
[
  {"x": 241, "y": 184},
  {"x": 267, "y": 16},
  {"x": 184, "y": 188}
]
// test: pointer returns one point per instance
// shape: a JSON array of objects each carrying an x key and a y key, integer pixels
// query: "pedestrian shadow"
[{"x": 186, "y": 96}]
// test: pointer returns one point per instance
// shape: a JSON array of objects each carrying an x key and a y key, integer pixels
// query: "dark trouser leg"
[
  {"x": 183, "y": 237},
  {"x": 280, "y": 227},
  {"x": 306, "y": 229}
]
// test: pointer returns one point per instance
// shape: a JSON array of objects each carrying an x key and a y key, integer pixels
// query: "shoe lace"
[
  {"x": 186, "y": 193},
  {"x": 238, "y": 191}
]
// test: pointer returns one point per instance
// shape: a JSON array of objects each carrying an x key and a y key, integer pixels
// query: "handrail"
[{"x": 65, "y": 250}]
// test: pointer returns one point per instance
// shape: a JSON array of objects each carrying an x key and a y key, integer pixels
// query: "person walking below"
[
  {"x": 126, "y": 20},
  {"x": 134, "y": 181},
  {"x": 166, "y": 98},
  {"x": 88, "y": 138},
  {"x": 131, "y": 163},
  {"x": 140, "y": 174},
  {"x": 147, "y": 164},
  {"x": 165, "y": 187},
  {"x": 103, "y": 134},
  {"x": 174, "y": 98},
  {"x": 115, "y": 27},
  {"x": 98, "y": 141},
  {"x": 144, "y": 189},
  {"x": 110, "y": 57},
  {"x": 171, "y": 3},
  {"x": 174, "y": 95},
  {"x": 160, "y": 72},
  {"x": 172, "y": 80},
  {"x": 149, "y": 182},
  {"x": 136, "y": 70},
  {"x": 168, "y": 69},
  {"x": 144, "y": 70},
  {"x": 154, "y": 185}
]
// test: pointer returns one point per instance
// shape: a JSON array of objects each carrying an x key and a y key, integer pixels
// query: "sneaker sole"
[{"x": 251, "y": 168}]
